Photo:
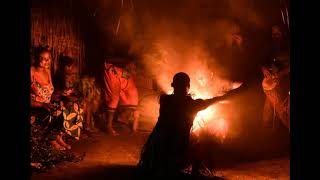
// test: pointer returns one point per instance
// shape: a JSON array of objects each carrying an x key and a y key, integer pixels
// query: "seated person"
[
  {"x": 41, "y": 91},
  {"x": 72, "y": 89},
  {"x": 68, "y": 97},
  {"x": 50, "y": 121}
]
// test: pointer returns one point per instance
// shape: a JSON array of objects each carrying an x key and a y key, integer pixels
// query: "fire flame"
[{"x": 211, "y": 121}]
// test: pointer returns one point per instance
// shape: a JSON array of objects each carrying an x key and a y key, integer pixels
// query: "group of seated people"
[{"x": 57, "y": 109}]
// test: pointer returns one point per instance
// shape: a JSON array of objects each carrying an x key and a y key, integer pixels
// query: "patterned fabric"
[
  {"x": 41, "y": 150},
  {"x": 73, "y": 118},
  {"x": 67, "y": 117},
  {"x": 41, "y": 93}
]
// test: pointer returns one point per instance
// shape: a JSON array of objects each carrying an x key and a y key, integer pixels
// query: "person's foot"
[
  {"x": 112, "y": 132},
  {"x": 134, "y": 130},
  {"x": 62, "y": 143},
  {"x": 32, "y": 119},
  {"x": 36, "y": 165},
  {"x": 57, "y": 146}
]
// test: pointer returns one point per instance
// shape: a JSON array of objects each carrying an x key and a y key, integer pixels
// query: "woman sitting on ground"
[
  {"x": 69, "y": 97},
  {"x": 49, "y": 121},
  {"x": 41, "y": 92}
]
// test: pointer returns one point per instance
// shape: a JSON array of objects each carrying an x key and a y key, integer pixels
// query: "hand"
[
  {"x": 242, "y": 87},
  {"x": 67, "y": 92},
  {"x": 237, "y": 39},
  {"x": 266, "y": 73},
  {"x": 236, "y": 85}
]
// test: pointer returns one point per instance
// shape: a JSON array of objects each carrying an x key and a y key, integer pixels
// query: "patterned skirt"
[{"x": 71, "y": 115}]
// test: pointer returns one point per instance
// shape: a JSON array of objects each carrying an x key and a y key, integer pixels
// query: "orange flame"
[{"x": 211, "y": 121}]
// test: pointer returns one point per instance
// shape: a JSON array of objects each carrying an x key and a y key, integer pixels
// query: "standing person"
[
  {"x": 276, "y": 82},
  {"x": 120, "y": 89}
]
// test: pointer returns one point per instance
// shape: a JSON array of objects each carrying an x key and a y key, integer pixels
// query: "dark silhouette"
[{"x": 167, "y": 150}]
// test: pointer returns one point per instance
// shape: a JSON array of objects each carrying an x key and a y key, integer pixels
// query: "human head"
[
  {"x": 67, "y": 64},
  {"x": 234, "y": 35},
  {"x": 42, "y": 58},
  {"x": 181, "y": 83},
  {"x": 276, "y": 33}
]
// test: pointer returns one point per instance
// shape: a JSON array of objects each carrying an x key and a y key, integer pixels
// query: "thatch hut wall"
[{"x": 58, "y": 29}]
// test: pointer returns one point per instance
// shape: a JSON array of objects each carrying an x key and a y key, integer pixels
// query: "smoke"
[
  {"x": 168, "y": 37},
  {"x": 174, "y": 36}
]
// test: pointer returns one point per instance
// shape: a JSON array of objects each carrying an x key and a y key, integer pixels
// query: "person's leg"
[
  {"x": 129, "y": 114},
  {"x": 56, "y": 145},
  {"x": 109, "y": 115},
  {"x": 268, "y": 113},
  {"x": 54, "y": 138},
  {"x": 196, "y": 164},
  {"x": 62, "y": 142},
  {"x": 283, "y": 112},
  {"x": 91, "y": 109},
  {"x": 123, "y": 115},
  {"x": 194, "y": 154},
  {"x": 112, "y": 94},
  {"x": 135, "y": 124},
  {"x": 129, "y": 97},
  {"x": 52, "y": 135}
]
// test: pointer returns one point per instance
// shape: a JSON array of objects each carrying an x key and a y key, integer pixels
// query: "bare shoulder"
[{"x": 32, "y": 70}]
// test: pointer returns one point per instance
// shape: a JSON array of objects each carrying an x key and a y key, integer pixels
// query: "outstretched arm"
[{"x": 205, "y": 103}]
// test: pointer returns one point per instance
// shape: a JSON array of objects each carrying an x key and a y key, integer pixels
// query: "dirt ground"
[{"x": 111, "y": 158}]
